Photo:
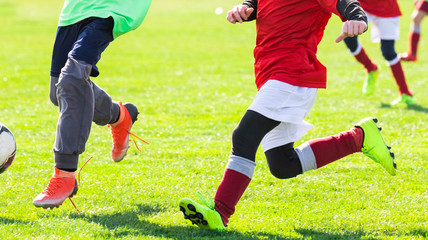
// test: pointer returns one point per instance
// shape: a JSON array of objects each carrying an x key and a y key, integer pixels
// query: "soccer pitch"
[{"x": 190, "y": 73}]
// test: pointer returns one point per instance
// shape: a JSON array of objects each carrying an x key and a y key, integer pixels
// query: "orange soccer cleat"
[
  {"x": 62, "y": 185},
  {"x": 121, "y": 130}
]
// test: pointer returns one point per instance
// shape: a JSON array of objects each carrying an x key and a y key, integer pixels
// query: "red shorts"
[{"x": 422, "y": 5}]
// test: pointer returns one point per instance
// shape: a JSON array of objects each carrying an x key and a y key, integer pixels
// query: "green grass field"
[{"x": 191, "y": 75}]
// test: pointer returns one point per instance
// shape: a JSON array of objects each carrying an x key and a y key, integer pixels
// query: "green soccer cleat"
[
  {"x": 374, "y": 145},
  {"x": 206, "y": 217},
  {"x": 369, "y": 84},
  {"x": 406, "y": 99}
]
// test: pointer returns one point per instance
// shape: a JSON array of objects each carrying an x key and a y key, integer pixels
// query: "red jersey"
[
  {"x": 381, "y": 8},
  {"x": 288, "y": 33}
]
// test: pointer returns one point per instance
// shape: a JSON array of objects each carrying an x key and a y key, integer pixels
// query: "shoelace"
[
  {"x": 52, "y": 186},
  {"x": 206, "y": 200},
  {"x": 133, "y": 136},
  {"x": 136, "y": 145},
  {"x": 78, "y": 183}
]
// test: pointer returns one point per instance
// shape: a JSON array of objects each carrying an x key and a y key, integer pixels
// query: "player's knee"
[
  {"x": 242, "y": 144},
  {"x": 417, "y": 17},
  {"x": 283, "y": 161},
  {"x": 388, "y": 50},
  {"x": 283, "y": 173},
  {"x": 65, "y": 85}
]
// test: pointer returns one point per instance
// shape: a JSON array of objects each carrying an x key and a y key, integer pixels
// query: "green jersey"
[{"x": 127, "y": 14}]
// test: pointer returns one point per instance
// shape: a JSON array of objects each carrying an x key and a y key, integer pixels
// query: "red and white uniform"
[
  {"x": 381, "y": 8},
  {"x": 385, "y": 16},
  {"x": 288, "y": 33}
]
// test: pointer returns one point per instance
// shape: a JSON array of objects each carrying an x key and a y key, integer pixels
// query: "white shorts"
[
  {"x": 384, "y": 28},
  {"x": 285, "y": 103}
]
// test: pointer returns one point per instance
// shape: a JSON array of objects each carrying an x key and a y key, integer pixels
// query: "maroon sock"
[
  {"x": 368, "y": 64},
  {"x": 230, "y": 190},
  {"x": 400, "y": 79},
  {"x": 413, "y": 42},
  {"x": 332, "y": 148}
]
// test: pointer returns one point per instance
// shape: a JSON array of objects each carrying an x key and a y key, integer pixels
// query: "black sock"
[
  {"x": 68, "y": 169},
  {"x": 132, "y": 110},
  {"x": 118, "y": 111}
]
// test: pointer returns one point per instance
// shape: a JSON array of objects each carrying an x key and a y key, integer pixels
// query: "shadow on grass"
[
  {"x": 417, "y": 108},
  {"x": 419, "y": 232},
  {"x": 4, "y": 220},
  {"x": 354, "y": 235},
  {"x": 317, "y": 235},
  {"x": 131, "y": 223}
]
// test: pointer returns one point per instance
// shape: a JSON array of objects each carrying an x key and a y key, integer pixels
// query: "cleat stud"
[
  {"x": 204, "y": 222},
  {"x": 191, "y": 207},
  {"x": 182, "y": 209},
  {"x": 392, "y": 155},
  {"x": 380, "y": 128},
  {"x": 388, "y": 147},
  {"x": 395, "y": 165},
  {"x": 375, "y": 120},
  {"x": 199, "y": 215},
  {"x": 191, "y": 216}
]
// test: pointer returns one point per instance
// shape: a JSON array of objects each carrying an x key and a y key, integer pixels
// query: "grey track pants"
[{"x": 80, "y": 102}]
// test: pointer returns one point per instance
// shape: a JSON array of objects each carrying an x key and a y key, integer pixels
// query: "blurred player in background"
[
  {"x": 85, "y": 30},
  {"x": 288, "y": 75},
  {"x": 385, "y": 16},
  {"x": 420, "y": 11}
]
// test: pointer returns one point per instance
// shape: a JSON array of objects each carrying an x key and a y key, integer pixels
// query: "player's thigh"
[
  {"x": 93, "y": 40},
  {"x": 287, "y": 104},
  {"x": 64, "y": 41}
]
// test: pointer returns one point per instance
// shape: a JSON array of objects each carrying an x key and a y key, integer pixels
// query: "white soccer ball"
[{"x": 7, "y": 148}]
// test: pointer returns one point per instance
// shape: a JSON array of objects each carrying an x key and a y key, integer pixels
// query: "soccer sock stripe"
[
  {"x": 241, "y": 165},
  {"x": 393, "y": 61},
  {"x": 233, "y": 185},
  {"x": 329, "y": 149},
  {"x": 306, "y": 157},
  {"x": 357, "y": 50},
  {"x": 415, "y": 28}
]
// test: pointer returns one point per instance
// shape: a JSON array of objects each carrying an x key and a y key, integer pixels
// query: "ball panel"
[
  {"x": 7, "y": 148},
  {"x": 7, "y": 163}
]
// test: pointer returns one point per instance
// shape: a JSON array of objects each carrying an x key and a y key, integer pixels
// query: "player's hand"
[
  {"x": 351, "y": 28},
  {"x": 239, "y": 13}
]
